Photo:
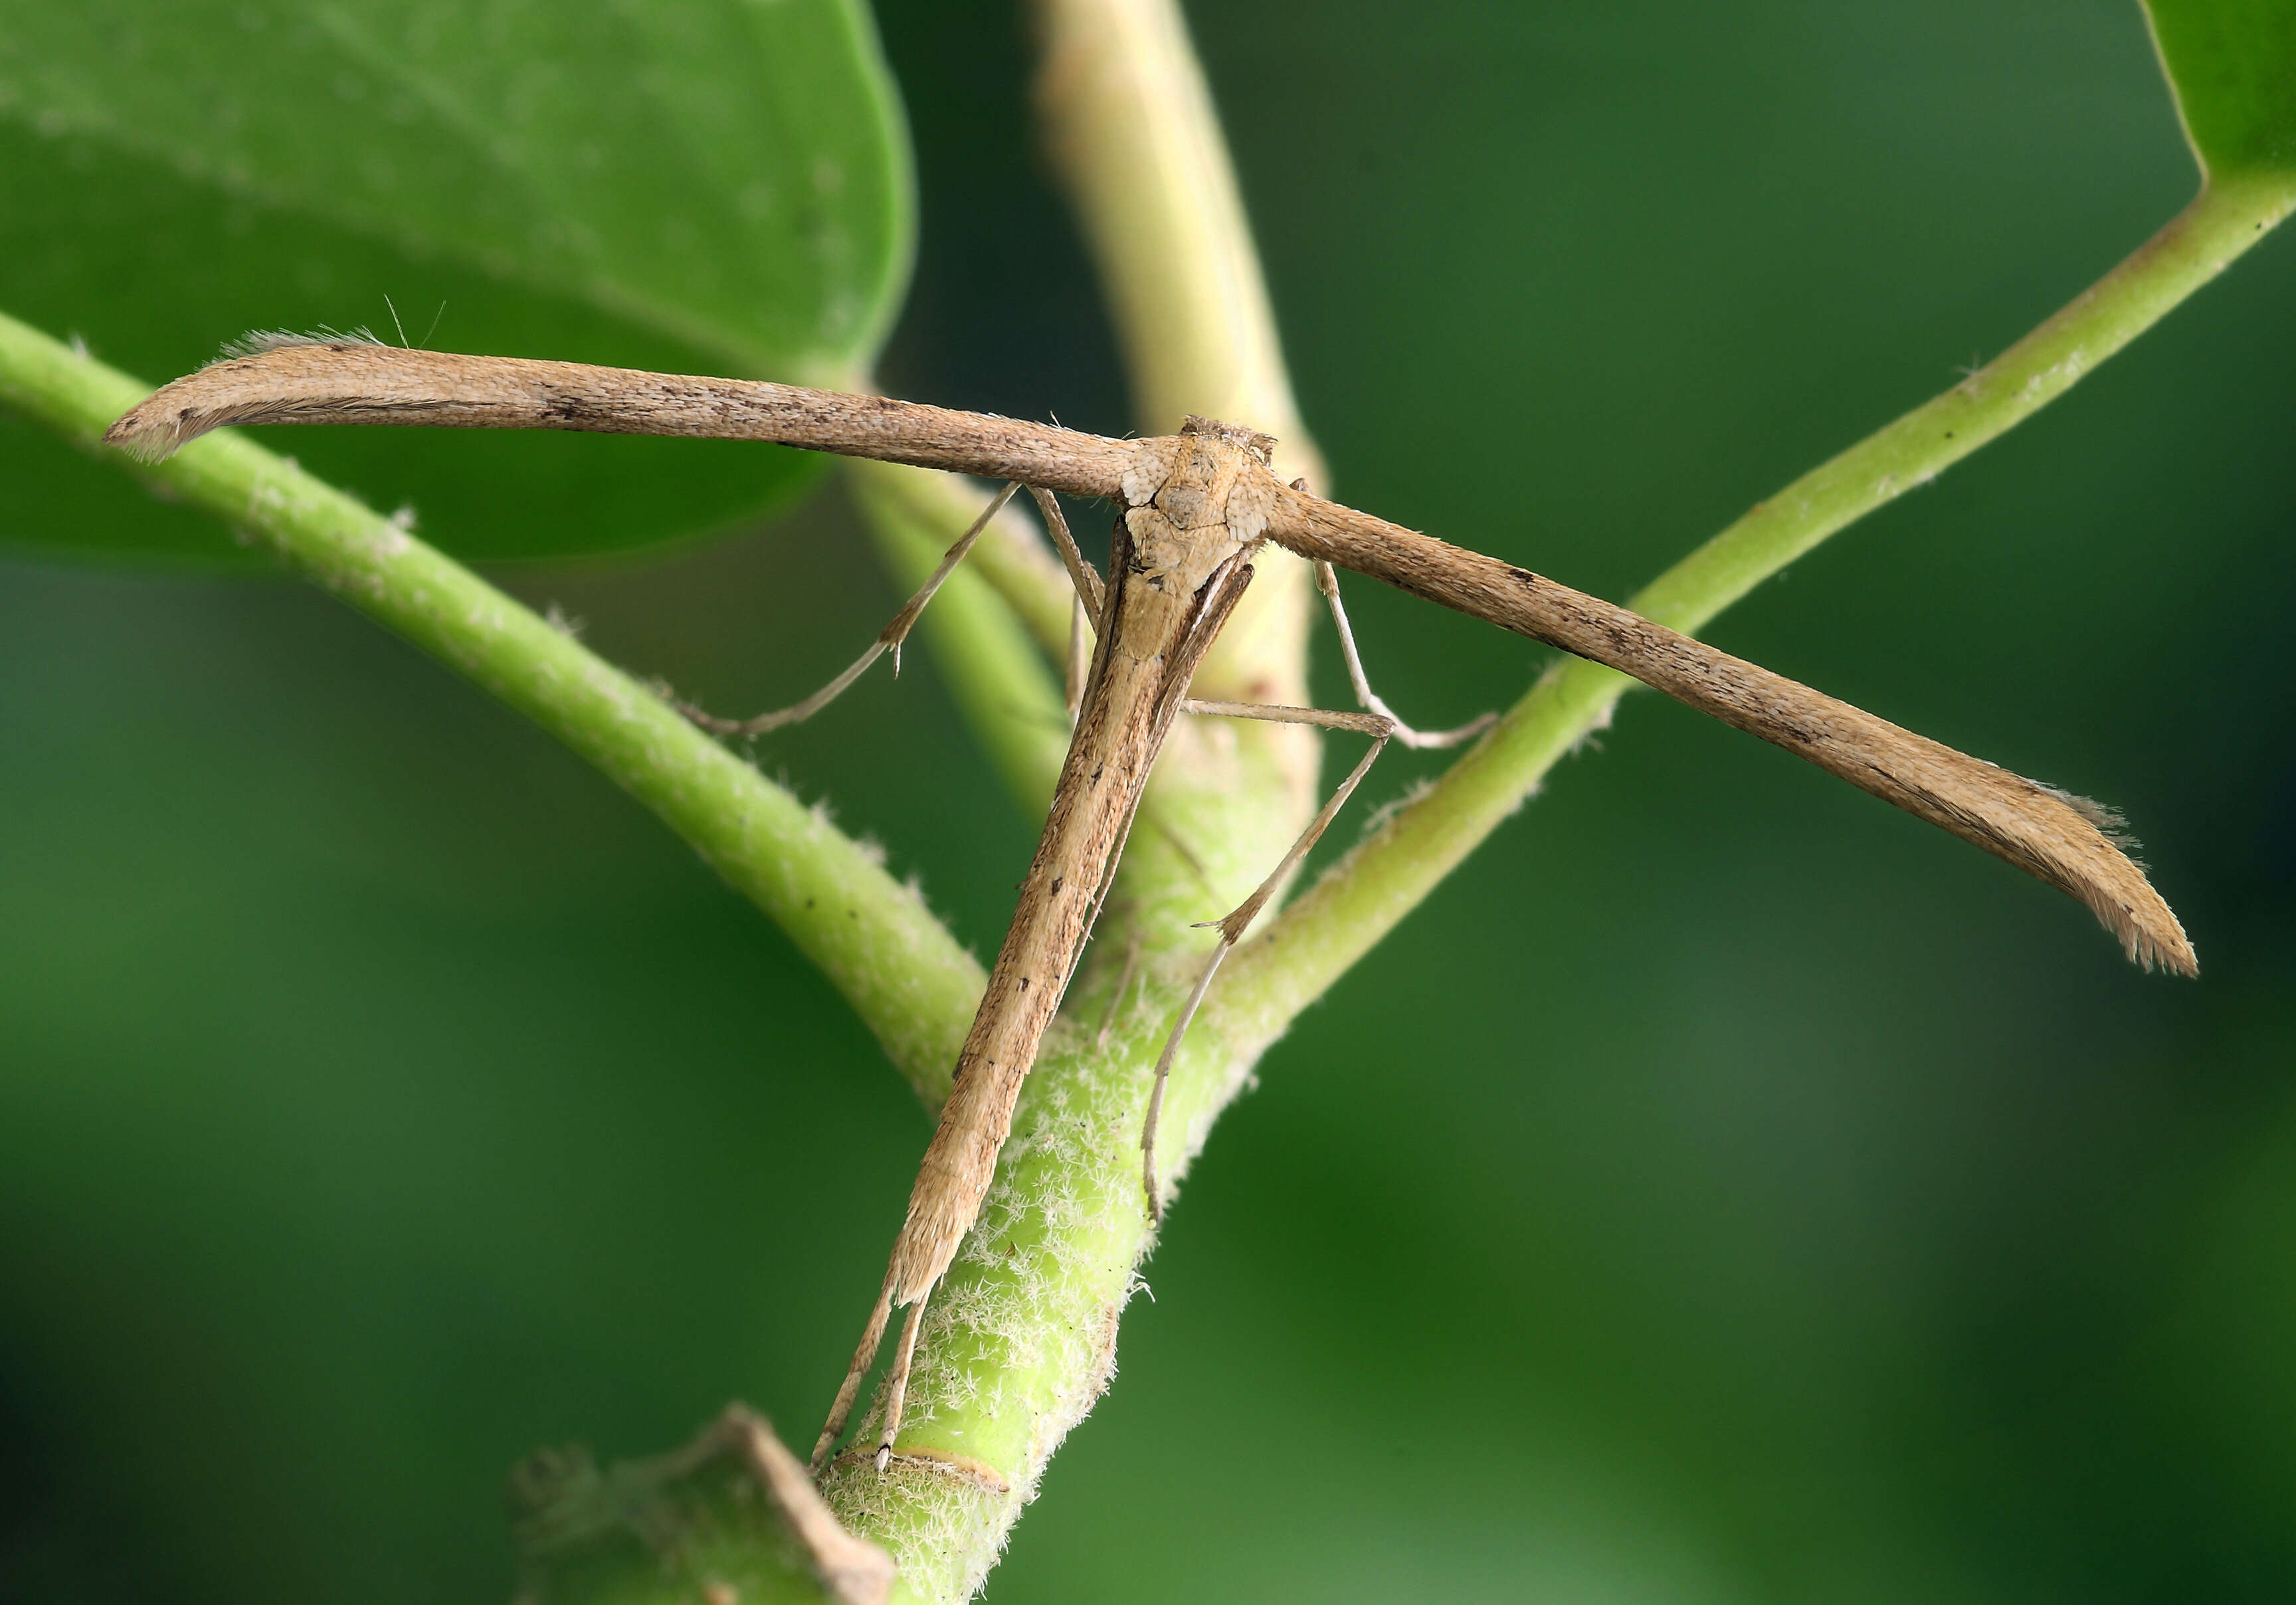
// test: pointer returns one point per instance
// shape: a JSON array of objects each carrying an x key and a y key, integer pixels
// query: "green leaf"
[
  {"x": 2232, "y": 65},
  {"x": 716, "y": 185}
]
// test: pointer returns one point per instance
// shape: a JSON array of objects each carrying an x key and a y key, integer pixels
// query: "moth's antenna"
[
  {"x": 433, "y": 329},
  {"x": 396, "y": 323}
]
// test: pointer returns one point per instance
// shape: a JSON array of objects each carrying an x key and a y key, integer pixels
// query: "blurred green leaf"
[
  {"x": 2232, "y": 65},
  {"x": 712, "y": 185}
]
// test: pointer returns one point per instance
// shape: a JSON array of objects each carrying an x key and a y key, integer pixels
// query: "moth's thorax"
[{"x": 1195, "y": 499}]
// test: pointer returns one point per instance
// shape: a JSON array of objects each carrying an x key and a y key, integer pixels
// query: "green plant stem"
[
  {"x": 1015, "y": 559},
  {"x": 981, "y": 624},
  {"x": 1128, "y": 123},
  {"x": 1361, "y": 899},
  {"x": 904, "y": 974},
  {"x": 1019, "y": 1340}
]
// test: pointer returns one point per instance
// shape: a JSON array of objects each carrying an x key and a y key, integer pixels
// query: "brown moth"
[{"x": 1193, "y": 508}]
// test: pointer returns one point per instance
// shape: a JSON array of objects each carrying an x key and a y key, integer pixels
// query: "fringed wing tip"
[
  {"x": 145, "y": 432},
  {"x": 153, "y": 430},
  {"x": 2094, "y": 858},
  {"x": 2148, "y": 931},
  {"x": 2168, "y": 949}
]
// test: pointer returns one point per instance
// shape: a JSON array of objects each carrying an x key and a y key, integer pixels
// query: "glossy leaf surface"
[
  {"x": 2233, "y": 64},
  {"x": 718, "y": 185}
]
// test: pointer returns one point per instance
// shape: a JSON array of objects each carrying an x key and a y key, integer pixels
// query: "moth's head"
[{"x": 1261, "y": 446}]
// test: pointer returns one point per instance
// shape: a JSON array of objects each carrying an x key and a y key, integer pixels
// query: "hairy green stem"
[
  {"x": 905, "y": 975},
  {"x": 1362, "y": 897},
  {"x": 1018, "y": 1341}
]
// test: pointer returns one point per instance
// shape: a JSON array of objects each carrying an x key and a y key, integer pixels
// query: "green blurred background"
[{"x": 1725, "y": 1190}]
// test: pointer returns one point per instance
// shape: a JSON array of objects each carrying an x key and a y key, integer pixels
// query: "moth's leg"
[
  {"x": 1328, "y": 582},
  {"x": 1091, "y": 598},
  {"x": 1381, "y": 727},
  {"x": 1088, "y": 584},
  {"x": 864, "y": 1358},
  {"x": 897, "y": 1385},
  {"x": 1078, "y": 667},
  {"x": 888, "y": 638}
]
